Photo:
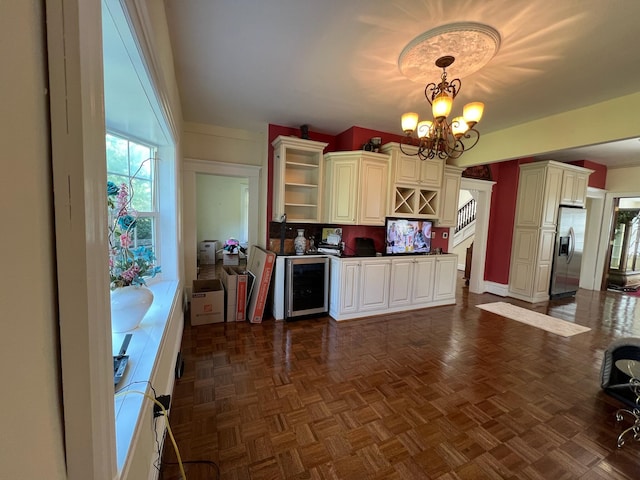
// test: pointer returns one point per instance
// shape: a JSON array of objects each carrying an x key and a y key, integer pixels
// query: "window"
[{"x": 132, "y": 163}]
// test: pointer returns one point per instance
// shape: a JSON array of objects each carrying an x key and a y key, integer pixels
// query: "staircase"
[{"x": 466, "y": 224}]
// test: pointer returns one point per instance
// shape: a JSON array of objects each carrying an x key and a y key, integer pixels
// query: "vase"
[
  {"x": 300, "y": 243},
  {"x": 128, "y": 307}
]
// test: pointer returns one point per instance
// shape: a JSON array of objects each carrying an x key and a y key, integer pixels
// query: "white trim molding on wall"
[
  {"x": 190, "y": 168},
  {"x": 605, "y": 232},
  {"x": 481, "y": 191}
]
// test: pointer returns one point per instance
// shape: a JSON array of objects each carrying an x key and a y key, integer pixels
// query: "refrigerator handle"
[{"x": 572, "y": 244}]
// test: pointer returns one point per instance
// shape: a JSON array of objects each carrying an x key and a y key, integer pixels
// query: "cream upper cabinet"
[
  {"x": 574, "y": 187},
  {"x": 298, "y": 179},
  {"x": 538, "y": 195},
  {"x": 414, "y": 185},
  {"x": 409, "y": 169},
  {"x": 449, "y": 195},
  {"x": 356, "y": 188}
]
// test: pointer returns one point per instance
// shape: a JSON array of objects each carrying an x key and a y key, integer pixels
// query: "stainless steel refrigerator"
[{"x": 565, "y": 276}]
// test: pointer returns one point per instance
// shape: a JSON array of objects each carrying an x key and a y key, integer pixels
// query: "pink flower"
[
  {"x": 125, "y": 240},
  {"x": 123, "y": 199}
]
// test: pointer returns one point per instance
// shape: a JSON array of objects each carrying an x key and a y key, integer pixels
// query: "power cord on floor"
[
  {"x": 212, "y": 465},
  {"x": 166, "y": 417}
]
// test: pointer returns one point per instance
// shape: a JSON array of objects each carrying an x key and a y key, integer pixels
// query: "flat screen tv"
[{"x": 407, "y": 236}]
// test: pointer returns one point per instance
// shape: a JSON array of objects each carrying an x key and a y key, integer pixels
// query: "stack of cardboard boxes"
[{"x": 238, "y": 296}]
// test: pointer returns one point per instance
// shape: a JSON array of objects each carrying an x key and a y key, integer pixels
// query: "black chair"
[{"x": 619, "y": 378}]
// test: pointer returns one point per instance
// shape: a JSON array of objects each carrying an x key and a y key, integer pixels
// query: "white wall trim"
[
  {"x": 497, "y": 289},
  {"x": 74, "y": 44},
  {"x": 190, "y": 168},
  {"x": 481, "y": 191},
  {"x": 589, "y": 279},
  {"x": 605, "y": 232}
]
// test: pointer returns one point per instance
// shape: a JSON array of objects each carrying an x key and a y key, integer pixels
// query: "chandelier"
[{"x": 441, "y": 138}]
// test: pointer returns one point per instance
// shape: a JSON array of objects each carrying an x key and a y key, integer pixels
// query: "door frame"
[
  {"x": 481, "y": 191},
  {"x": 191, "y": 167}
]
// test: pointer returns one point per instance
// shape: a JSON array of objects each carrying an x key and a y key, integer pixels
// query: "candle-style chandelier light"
[{"x": 439, "y": 137}]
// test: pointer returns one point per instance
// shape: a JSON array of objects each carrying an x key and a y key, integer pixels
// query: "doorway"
[
  {"x": 191, "y": 168},
  {"x": 623, "y": 272}
]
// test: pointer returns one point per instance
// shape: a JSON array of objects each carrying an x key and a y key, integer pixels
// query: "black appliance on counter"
[{"x": 306, "y": 286}]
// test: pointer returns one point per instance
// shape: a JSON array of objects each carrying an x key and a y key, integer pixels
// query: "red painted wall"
[
  {"x": 503, "y": 211},
  {"x": 355, "y": 137}
]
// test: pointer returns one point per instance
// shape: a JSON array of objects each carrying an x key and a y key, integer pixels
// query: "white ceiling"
[{"x": 332, "y": 64}]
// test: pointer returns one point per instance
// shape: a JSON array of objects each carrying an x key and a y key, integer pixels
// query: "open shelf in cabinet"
[{"x": 428, "y": 202}]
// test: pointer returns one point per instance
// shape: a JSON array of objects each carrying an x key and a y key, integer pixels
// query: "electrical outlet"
[{"x": 165, "y": 400}]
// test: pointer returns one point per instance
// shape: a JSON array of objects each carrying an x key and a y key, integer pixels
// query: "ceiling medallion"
[
  {"x": 440, "y": 137},
  {"x": 471, "y": 44}
]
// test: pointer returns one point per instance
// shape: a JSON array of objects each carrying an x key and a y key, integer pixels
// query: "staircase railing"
[{"x": 466, "y": 215}]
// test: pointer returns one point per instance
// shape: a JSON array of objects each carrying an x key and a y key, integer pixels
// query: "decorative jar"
[{"x": 300, "y": 243}]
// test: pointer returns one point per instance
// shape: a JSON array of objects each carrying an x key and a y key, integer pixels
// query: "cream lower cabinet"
[
  {"x": 373, "y": 286},
  {"x": 359, "y": 285},
  {"x": 411, "y": 281},
  {"x": 444, "y": 287},
  {"x": 356, "y": 188}
]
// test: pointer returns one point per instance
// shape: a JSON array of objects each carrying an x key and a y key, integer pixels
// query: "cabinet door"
[
  {"x": 344, "y": 191},
  {"x": 401, "y": 284},
  {"x": 530, "y": 191},
  {"x": 551, "y": 197},
  {"x": 525, "y": 242},
  {"x": 567, "y": 195},
  {"x": 374, "y": 285},
  {"x": 574, "y": 188},
  {"x": 423, "y": 275},
  {"x": 445, "y": 277},
  {"x": 431, "y": 173},
  {"x": 580, "y": 192},
  {"x": 349, "y": 287},
  {"x": 406, "y": 169},
  {"x": 449, "y": 199},
  {"x": 372, "y": 202}
]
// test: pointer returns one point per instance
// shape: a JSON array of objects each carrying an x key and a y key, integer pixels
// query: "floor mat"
[{"x": 535, "y": 319}]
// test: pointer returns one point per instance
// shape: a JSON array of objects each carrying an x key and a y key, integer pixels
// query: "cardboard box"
[
  {"x": 235, "y": 282},
  {"x": 207, "y": 302},
  {"x": 261, "y": 264},
  {"x": 207, "y": 252},
  {"x": 230, "y": 258}
]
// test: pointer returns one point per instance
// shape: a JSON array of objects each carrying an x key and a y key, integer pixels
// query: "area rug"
[{"x": 535, "y": 319}]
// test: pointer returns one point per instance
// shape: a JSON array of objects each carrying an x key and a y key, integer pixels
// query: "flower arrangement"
[
  {"x": 233, "y": 246},
  {"x": 128, "y": 265}
]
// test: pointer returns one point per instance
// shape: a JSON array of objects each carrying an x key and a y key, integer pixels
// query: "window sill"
[{"x": 143, "y": 353}]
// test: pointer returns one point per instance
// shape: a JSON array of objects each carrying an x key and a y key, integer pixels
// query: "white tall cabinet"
[
  {"x": 542, "y": 188},
  {"x": 297, "y": 179},
  {"x": 355, "y": 188}
]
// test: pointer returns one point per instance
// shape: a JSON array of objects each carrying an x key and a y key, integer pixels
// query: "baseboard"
[{"x": 497, "y": 288}]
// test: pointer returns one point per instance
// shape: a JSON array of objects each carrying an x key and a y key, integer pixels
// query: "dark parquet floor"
[{"x": 442, "y": 393}]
